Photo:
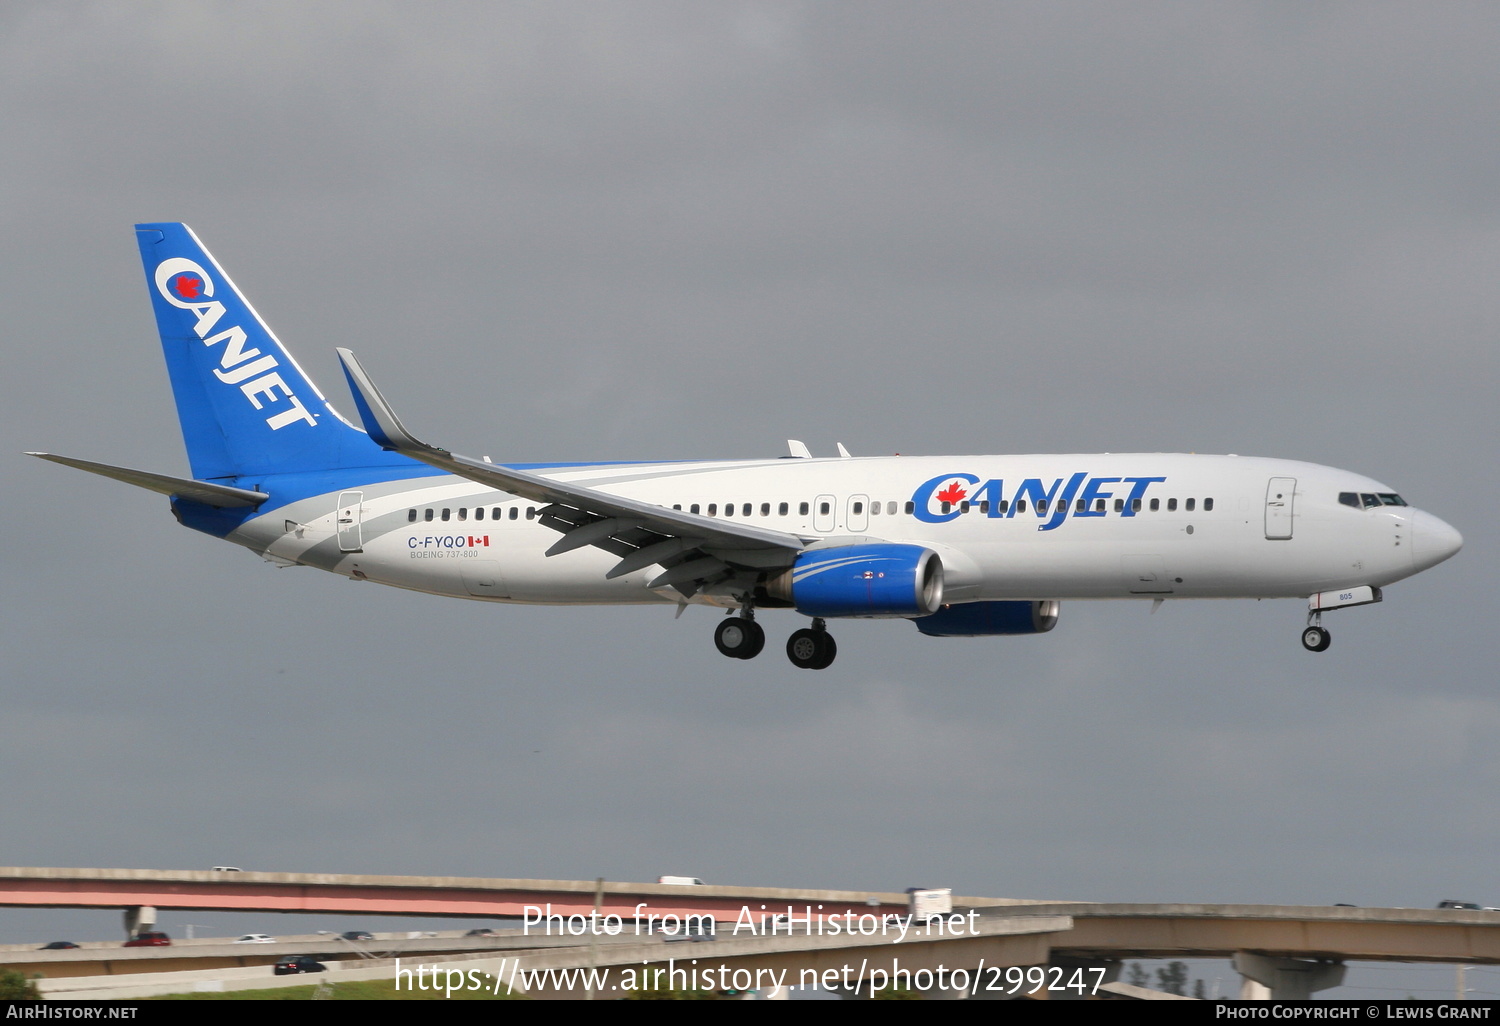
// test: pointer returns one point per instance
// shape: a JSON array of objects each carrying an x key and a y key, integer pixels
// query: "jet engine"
[
  {"x": 979, "y": 619},
  {"x": 878, "y": 580}
]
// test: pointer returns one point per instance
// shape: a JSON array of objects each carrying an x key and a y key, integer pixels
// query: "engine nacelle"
[
  {"x": 862, "y": 580},
  {"x": 978, "y": 619}
]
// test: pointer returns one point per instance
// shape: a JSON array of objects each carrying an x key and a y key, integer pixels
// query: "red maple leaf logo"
[
  {"x": 187, "y": 287},
  {"x": 953, "y": 493}
]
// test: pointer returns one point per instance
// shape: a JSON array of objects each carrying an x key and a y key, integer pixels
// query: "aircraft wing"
[{"x": 692, "y": 549}]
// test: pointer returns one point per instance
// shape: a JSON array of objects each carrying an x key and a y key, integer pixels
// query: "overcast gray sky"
[{"x": 669, "y": 230}]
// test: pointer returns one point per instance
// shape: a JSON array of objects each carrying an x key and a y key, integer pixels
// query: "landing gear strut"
[
  {"x": 812, "y": 648},
  {"x": 740, "y": 637},
  {"x": 1315, "y": 638}
]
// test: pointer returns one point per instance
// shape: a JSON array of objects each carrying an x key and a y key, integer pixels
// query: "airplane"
[{"x": 963, "y": 546}]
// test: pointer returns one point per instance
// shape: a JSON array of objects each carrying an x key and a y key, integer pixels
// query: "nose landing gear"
[{"x": 1315, "y": 638}]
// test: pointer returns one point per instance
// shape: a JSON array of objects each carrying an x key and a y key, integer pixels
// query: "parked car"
[
  {"x": 58, "y": 946},
  {"x": 357, "y": 935},
  {"x": 149, "y": 939},
  {"x": 482, "y": 931},
  {"x": 227, "y": 869},
  {"x": 298, "y": 964},
  {"x": 256, "y": 938}
]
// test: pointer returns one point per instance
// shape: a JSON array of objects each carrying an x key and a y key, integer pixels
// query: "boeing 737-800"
[{"x": 960, "y": 545}]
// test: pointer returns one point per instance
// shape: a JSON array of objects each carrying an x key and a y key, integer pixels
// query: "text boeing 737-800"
[{"x": 960, "y": 545}]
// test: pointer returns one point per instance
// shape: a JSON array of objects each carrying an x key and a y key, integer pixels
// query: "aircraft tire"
[
  {"x": 810, "y": 649},
  {"x": 1316, "y": 639},
  {"x": 739, "y": 638}
]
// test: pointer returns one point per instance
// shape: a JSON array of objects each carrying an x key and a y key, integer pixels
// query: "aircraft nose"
[{"x": 1432, "y": 540}]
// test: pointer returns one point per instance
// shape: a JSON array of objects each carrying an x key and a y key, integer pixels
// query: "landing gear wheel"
[
  {"x": 739, "y": 638},
  {"x": 1316, "y": 639},
  {"x": 810, "y": 649}
]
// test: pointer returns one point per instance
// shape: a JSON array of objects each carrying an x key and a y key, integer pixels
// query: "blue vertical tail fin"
[{"x": 245, "y": 406}]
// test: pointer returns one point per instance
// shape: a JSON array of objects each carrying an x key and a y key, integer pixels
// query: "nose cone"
[{"x": 1432, "y": 541}]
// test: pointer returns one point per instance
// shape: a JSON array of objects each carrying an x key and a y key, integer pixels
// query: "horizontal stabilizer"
[{"x": 199, "y": 491}]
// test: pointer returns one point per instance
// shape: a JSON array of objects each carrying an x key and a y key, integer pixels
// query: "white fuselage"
[{"x": 1139, "y": 525}]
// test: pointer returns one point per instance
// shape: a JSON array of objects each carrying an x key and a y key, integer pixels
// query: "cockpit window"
[
  {"x": 1391, "y": 499},
  {"x": 1349, "y": 499},
  {"x": 1369, "y": 500}
]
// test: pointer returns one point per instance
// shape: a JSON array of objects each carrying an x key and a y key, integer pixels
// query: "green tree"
[
  {"x": 1173, "y": 978},
  {"x": 14, "y": 986}
]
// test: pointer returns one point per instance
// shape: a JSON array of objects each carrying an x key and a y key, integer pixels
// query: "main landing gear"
[
  {"x": 1315, "y": 638},
  {"x": 740, "y": 637},
  {"x": 812, "y": 648}
]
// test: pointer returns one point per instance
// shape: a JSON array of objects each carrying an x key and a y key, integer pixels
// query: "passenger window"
[
  {"x": 1155, "y": 505},
  {"x": 859, "y": 508},
  {"x": 1081, "y": 506},
  {"x": 984, "y": 506},
  {"x": 411, "y": 516},
  {"x": 1020, "y": 505},
  {"x": 963, "y": 507},
  {"x": 745, "y": 510},
  {"x": 495, "y": 513},
  {"x": 1171, "y": 505},
  {"x": 765, "y": 509},
  {"x": 890, "y": 509},
  {"x": 447, "y": 513},
  {"x": 530, "y": 512},
  {"x": 875, "y": 508},
  {"x": 947, "y": 507},
  {"x": 1135, "y": 505},
  {"x": 678, "y": 507},
  {"x": 693, "y": 508},
  {"x": 728, "y": 509},
  {"x": 1005, "y": 505},
  {"x": 823, "y": 508},
  {"x": 782, "y": 509},
  {"x": 463, "y": 513},
  {"x": 515, "y": 512},
  {"x": 1119, "y": 505},
  {"x": 802, "y": 509},
  {"x": 911, "y": 507},
  {"x": 1041, "y": 505},
  {"x": 478, "y": 512},
  {"x": 1208, "y": 505},
  {"x": 1099, "y": 505},
  {"x": 1190, "y": 503},
  {"x": 427, "y": 515},
  {"x": 713, "y": 509}
]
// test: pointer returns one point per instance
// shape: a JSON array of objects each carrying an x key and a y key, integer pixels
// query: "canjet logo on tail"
[
  {"x": 948, "y": 497},
  {"x": 187, "y": 286}
]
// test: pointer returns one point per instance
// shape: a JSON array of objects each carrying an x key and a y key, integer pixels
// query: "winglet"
[
  {"x": 798, "y": 449},
  {"x": 380, "y": 421}
]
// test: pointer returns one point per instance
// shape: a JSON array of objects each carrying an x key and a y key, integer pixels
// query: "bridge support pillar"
[
  {"x": 141, "y": 917},
  {"x": 1266, "y": 977}
]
